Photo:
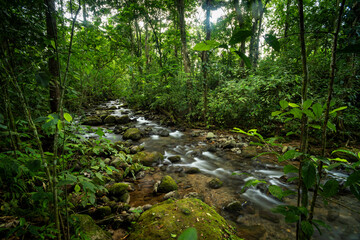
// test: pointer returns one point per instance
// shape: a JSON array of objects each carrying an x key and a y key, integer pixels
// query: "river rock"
[
  {"x": 265, "y": 214},
  {"x": 167, "y": 184},
  {"x": 215, "y": 183},
  {"x": 173, "y": 217},
  {"x": 195, "y": 195},
  {"x": 174, "y": 159},
  {"x": 136, "y": 149},
  {"x": 210, "y": 135},
  {"x": 88, "y": 227},
  {"x": 253, "y": 232},
  {"x": 102, "y": 212},
  {"x": 192, "y": 170},
  {"x": 249, "y": 152},
  {"x": 235, "y": 206},
  {"x": 172, "y": 194},
  {"x": 110, "y": 119},
  {"x": 118, "y": 189},
  {"x": 133, "y": 134},
  {"x": 124, "y": 119},
  {"x": 92, "y": 121},
  {"x": 148, "y": 158}
]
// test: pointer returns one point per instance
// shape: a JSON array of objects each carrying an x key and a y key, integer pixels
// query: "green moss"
[
  {"x": 92, "y": 121},
  {"x": 148, "y": 158},
  {"x": 167, "y": 185},
  {"x": 102, "y": 212},
  {"x": 110, "y": 119},
  {"x": 88, "y": 228},
  {"x": 215, "y": 183},
  {"x": 133, "y": 134},
  {"x": 118, "y": 189},
  {"x": 173, "y": 217}
]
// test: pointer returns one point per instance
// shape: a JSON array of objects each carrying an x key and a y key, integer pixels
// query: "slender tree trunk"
[
  {"x": 287, "y": 19},
  {"x": 241, "y": 22},
  {"x": 205, "y": 60},
  {"x": 327, "y": 110},
  {"x": 185, "y": 55},
  {"x": 84, "y": 12},
  {"x": 147, "y": 47},
  {"x": 303, "y": 194},
  {"x": 53, "y": 63}
]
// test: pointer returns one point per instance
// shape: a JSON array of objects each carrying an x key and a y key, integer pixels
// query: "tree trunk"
[
  {"x": 327, "y": 110},
  {"x": 53, "y": 63},
  {"x": 303, "y": 194},
  {"x": 287, "y": 19},
  {"x": 205, "y": 60},
  {"x": 240, "y": 19},
  {"x": 184, "y": 51}
]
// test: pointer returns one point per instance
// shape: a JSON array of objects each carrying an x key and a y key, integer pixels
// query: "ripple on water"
[{"x": 176, "y": 134}]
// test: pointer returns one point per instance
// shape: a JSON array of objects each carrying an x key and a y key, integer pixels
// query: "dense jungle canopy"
[{"x": 278, "y": 71}]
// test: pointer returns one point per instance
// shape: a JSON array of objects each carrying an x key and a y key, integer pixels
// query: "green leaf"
[
  {"x": 307, "y": 104},
  {"x": 309, "y": 174},
  {"x": 22, "y": 222},
  {"x": 59, "y": 125},
  {"x": 330, "y": 188},
  {"x": 307, "y": 228},
  {"x": 276, "y": 113},
  {"x": 244, "y": 58},
  {"x": 276, "y": 191},
  {"x": 239, "y": 35},
  {"x": 347, "y": 152},
  {"x": 331, "y": 126},
  {"x": 317, "y": 109},
  {"x": 290, "y": 168},
  {"x": 296, "y": 112},
  {"x": 252, "y": 182},
  {"x": 315, "y": 126},
  {"x": 53, "y": 44},
  {"x": 293, "y": 105},
  {"x": 188, "y": 234},
  {"x": 77, "y": 188},
  {"x": 309, "y": 113},
  {"x": 67, "y": 117},
  {"x": 291, "y": 154},
  {"x": 353, "y": 179},
  {"x": 283, "y": 104},
  {"x": 206, "y": 45},
  {"x": 99, "y": 176},
  {"x": 100, "y": 132},
  {"x": 338, "y": 109},
  {"x": 272, "y": 41}
]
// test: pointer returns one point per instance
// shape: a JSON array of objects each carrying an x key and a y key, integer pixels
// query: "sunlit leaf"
[
  {"x": 67, "y": 117},
  {"x": 293, "y": 105},
  {"x": 283, "y": 104},
  {"x": 77, "y": 188},
  {"x": 188, "y": 234},
  {"x": 276, "y": 113},
  {"x": 206, "y": 45}
]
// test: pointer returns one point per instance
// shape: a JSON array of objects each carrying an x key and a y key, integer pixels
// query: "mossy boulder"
[
  {"x": 123, "y": 119},
  {"x": 118, "y": 189},
  {"x": 92, "y": 121},
  {"x": 88, "y": 228},
  {"x": 215, "y": 183},
  {"x": 110, "y": 119},
  {"x": 167, "y": 184},
  {"x": 133, "y": 134},
  {"x": 102, "y": 212},
  {"x": 170, "y": 218},
  {"x": 148, "y": 158}
]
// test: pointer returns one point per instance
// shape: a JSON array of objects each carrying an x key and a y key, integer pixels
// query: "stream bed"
[{"x": 255, "y": 220}]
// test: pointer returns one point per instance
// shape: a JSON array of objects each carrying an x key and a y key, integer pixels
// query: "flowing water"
[{"x": 234, "y": 171}]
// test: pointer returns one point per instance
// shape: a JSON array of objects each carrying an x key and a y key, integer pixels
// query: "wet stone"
[
  {"x": 192, "y": 170},
  {"x": 233, "y": 207},
  {"x": 254, "y": 232},
  {"x": 267, "y": 215},
  {"x": 215, "y": 183},
  {"x": 174, "y": 159},
  {"x": 172, "y": 194}
]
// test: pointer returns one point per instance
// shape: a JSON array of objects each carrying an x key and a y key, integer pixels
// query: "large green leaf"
[
  {"x": 244, "y": 58},
  {"x": 290, "y": 168},
  {"x": 308, "y": 174},
  {"x": 207, "y": 45},
  {"x": 291, "y": 154},
  {"x": 317, "y": 108},
  {"x": 307, "y": 104},
  {"x": 283, "y": 104},
  {"x": 188, "y": 234},
  {"x": 239, "y": 35},
  {"x": 338, "y": 109},
  {"x": 307, "y": 228},
  {"x": 330, "y": 188},
  {"x": 272, "y": 41}
]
